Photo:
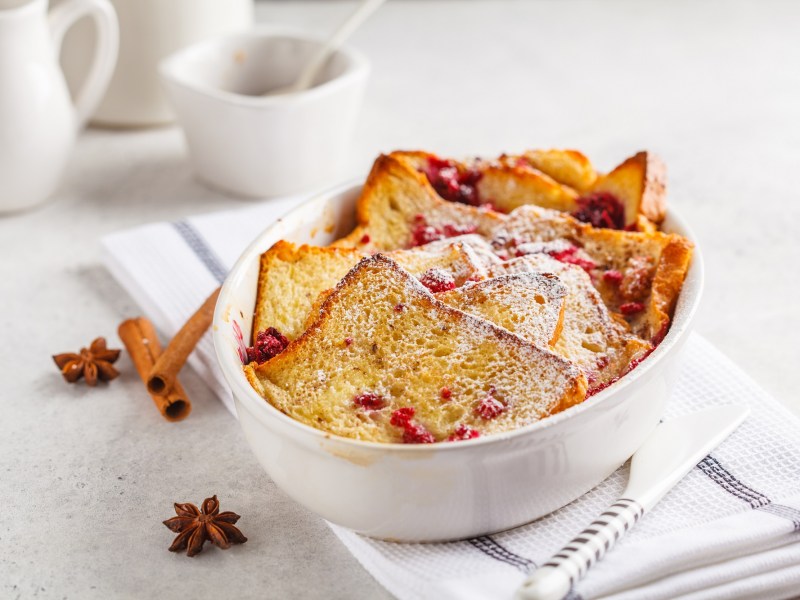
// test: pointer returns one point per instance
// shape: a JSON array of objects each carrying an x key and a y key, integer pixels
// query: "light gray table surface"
[{"x": 87, "y": 475}]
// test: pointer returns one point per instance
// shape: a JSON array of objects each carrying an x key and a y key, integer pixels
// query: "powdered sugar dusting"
[{"x": 489, "y": 323}]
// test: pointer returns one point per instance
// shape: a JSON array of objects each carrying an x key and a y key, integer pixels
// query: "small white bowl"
[
  {"x": 445, "y": 491},
  {"x": 253, "y": 145}
]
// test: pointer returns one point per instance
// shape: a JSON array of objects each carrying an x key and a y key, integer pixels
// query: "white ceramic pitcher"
[{"x": 38, "y": 121}]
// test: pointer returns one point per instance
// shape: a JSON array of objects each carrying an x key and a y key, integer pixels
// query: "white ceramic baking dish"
[{"x": 443, "y": 491}]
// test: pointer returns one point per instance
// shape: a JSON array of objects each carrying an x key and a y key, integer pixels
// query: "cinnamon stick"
[
  {"x": 162, "y": 376},
  {"x": 141, "y": 342}
]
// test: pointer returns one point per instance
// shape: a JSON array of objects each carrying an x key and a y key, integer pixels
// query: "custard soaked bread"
[
  {"x": 385, "y": 361},
  {"x": 530, "y": 304},
  {"x": 471, "y": 320},
  {"x": 639, "y": 275},
  {"x": 589, "y": 336}
]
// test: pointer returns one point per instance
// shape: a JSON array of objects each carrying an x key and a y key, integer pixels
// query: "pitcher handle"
[{"x": 64, "y": 16}]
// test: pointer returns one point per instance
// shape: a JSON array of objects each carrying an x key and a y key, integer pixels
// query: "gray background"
[{"x": 86, "y": 475}]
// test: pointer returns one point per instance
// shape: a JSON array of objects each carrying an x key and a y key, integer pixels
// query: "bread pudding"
[{"x": 472, "y": 297}]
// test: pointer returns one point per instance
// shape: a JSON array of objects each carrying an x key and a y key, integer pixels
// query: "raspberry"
[
  {"x": 569, "y": 256},
  {"x": 269, "y": 343},
  {"x": 422, "y": 233},
  {"x": 425, "y": 234},
  {"x": 365, "y": 238},
  {"x": 402, "y": 416},
  {"x": 463, "y": 432},
  {"x": 415, "y": 433},
  {"x": 633, "y": 364},
  {"x": 452, "y": 184},
  {"x": 659, "y": 336},
  {"x": 613, "y": 277},
  {"x": 369, "y": 401},
  {"x": 438, "y": 280},
  {"x": 631, "y": 308},
  {"x": 452, "y": 230},
  {"x": 399, "y": 307},
  {"x": 348, "y": 341},
  {"x": 599, "y": 388},
  {"x": 601, "y": 209},
  {"x": 489, "y": 407},
  {"x": 445, "y": 393},
  {"x": 637, "y": 361}
]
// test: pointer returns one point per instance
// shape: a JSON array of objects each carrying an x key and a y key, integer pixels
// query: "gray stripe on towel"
[
  {"x": 757, "y": 500},
  {"x": 202, "y": 250},
  {"x": 493, "y": 549}
]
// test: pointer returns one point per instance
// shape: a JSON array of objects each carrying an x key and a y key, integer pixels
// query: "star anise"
[
  {"x": 92, "y": 363},
  {"x": 194, "y": 527}
]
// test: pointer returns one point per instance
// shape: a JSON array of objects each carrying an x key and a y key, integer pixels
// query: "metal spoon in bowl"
[{"x": 318, "y": 60}]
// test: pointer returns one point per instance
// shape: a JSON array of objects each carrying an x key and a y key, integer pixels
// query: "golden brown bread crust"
[
  {"x": 393, "y": 195},
  {"x": 507, "y": 186},
  {"x": 290, "y": 279},
  {"x": 669, "y": 256},
  {"x": 505, "y": 183},
  {"x": 570, "y": 167},
  {"x": 639, "y": 182},
  {"x": 668, "y": 280}
]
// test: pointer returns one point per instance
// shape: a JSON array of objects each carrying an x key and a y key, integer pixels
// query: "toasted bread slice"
[
  {"x": 554, "y": 179},
  {"x": 387, "y": 362},
  {"x": 569, "y": 167},
  {"x": 291, "y": 278},
  {"x": 398, "y": 208},
  {"x": 504, "y": 183},
  {"x": 530, "y": 305},
  {"x": 638, "y": 274},
  {"x": 600, "y": 345},
  {"x": 639, "y": 183}
]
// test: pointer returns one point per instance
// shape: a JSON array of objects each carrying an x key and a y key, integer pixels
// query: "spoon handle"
[
  {"x": 553, "y": 580},
  {"x": 670, "y": 452},
  {"x": 359, "y": 15}
]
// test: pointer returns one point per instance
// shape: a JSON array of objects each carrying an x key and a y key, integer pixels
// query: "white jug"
[{"x": 38, "y": 122}]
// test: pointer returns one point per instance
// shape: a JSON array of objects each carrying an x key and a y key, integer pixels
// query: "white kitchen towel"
[{"x": 730, "y": 529}]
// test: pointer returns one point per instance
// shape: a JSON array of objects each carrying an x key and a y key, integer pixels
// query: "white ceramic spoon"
[
  {"x": 675, "y": 447},
  {"x": 318, "y": 60}
]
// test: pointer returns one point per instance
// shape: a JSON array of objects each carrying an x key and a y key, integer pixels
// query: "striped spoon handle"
[
  {"x": 554, "y": 579},
  {"x": 670, "y": 452}
]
